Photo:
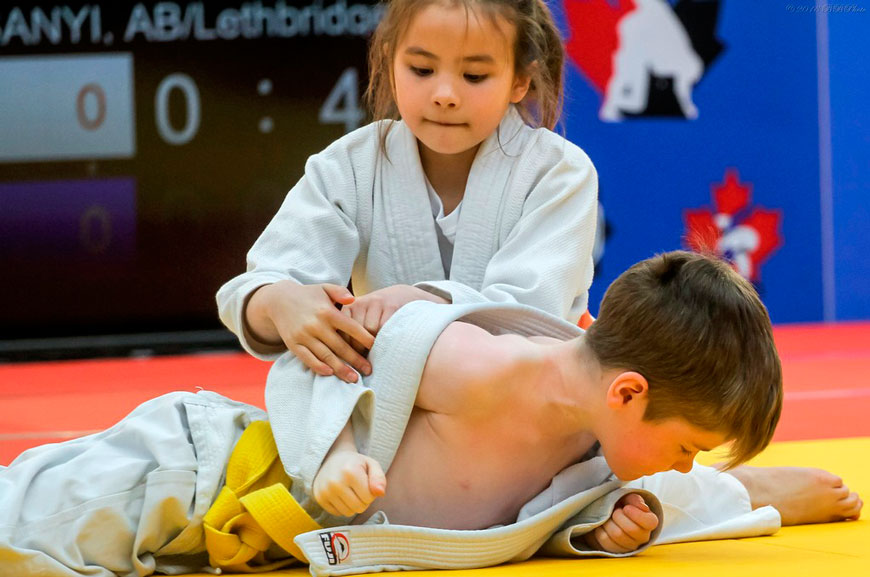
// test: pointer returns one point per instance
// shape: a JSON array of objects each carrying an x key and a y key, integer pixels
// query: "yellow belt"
[{"x": 255, "y": 509}]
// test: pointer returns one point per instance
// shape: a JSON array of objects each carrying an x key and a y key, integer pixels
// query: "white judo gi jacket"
[{"x": 525, "y": 232}]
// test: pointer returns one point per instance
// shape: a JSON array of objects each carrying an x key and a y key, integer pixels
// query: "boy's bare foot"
[{"x": 800, "y": 494}]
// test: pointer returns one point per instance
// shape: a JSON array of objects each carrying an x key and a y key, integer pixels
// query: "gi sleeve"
[{"x": 312, "y": 239}]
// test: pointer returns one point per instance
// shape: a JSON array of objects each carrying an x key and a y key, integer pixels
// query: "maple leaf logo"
[{"x": 744, "y": 235}]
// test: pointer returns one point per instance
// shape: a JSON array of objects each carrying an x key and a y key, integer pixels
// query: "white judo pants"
[{"x": 126, "y": 501}]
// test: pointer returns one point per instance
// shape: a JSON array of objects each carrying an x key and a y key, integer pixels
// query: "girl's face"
[{"x": 454, "y": 77}]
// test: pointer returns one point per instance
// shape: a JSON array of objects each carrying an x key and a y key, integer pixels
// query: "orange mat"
[{"x": 825, "y": 368}]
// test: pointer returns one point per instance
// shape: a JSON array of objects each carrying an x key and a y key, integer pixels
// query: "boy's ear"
[
  {"x": 626, "y": 388},
  {"x": 522, "y": 82}
]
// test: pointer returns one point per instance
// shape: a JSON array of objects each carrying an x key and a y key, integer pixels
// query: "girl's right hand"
[{"x": 306, "y": 320}]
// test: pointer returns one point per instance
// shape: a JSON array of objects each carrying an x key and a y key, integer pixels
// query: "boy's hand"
[
  {"x": 348, "y": 482},
  {"x": 374, "y": 309},
  {"x": 307, "y": 321},
  {"x": 629, "y": 527}
]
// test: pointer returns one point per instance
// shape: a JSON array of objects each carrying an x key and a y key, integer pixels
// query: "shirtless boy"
[{"x": 681, "y": 359}]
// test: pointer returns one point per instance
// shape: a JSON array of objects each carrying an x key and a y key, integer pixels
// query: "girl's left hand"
[{"x": 376, "y": 308}]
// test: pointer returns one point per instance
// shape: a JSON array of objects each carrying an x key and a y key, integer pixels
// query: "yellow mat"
[{"x": 830, "y": 550}]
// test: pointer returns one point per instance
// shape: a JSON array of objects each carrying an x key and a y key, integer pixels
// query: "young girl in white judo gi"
[{"x": 459, "y": 192}]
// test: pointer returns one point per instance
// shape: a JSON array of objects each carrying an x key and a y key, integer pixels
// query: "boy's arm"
[{"x": 348, "y": 482}]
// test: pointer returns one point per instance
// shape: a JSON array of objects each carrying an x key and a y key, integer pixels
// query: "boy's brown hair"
[
  {"x": 700, "y": 335},
  {"x": 537, "y": 41}
]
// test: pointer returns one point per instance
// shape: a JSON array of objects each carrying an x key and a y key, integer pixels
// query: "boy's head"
[{"x": 699, "y": 337}]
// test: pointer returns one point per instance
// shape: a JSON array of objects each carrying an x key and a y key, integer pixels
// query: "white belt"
[{"x": 379, "y": 546}]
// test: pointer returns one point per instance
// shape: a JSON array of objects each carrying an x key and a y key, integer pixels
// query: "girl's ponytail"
[{"x": 539, "y": 51}]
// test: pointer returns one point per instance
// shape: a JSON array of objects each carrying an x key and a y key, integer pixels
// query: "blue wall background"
[
  {"x": 850, "y": 131},
  {"x": 785, "y": 105}
]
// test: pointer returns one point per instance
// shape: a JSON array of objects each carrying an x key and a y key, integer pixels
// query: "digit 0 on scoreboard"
[
  {"x": 67, "y": 107},
  {"x": 94, "y": 120}
]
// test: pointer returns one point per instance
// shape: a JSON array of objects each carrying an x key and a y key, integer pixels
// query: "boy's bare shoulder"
[{"x": 468, "y": 368}]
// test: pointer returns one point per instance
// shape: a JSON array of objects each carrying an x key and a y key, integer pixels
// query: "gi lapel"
[
  {"x": 408, "y": 214},
  {"x": 486, "y": 196}
]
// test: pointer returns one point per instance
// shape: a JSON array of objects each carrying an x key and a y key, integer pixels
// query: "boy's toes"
[
  {"x": 842, "y": 492},
  {"x": 851, "y": 506},
  {"x": 828, "y": 479}
]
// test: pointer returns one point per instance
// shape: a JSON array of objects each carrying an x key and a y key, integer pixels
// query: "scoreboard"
[
  {"x": 144, "y": 146},
  {"x": 58, "y": 109}
]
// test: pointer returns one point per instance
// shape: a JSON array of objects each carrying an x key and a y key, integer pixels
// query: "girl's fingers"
[
  {"x": 326, "y": 355},
  {"x": 352, "y": 328},
  {"x": 388, "y": 312},
  {"x": 357, "y": 314},
  {"x": 338, "y": 294},
  {"x": 352, "y": 342},
  {"x": 346, "y": 354},
  {"x": 310, "y": 360},
  {"x": 355, "y": 311},
  {"x": 372, "y": 320}
]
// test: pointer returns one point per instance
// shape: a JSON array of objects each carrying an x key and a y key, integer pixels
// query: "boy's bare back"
[{"x": 476, "y": 447}]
